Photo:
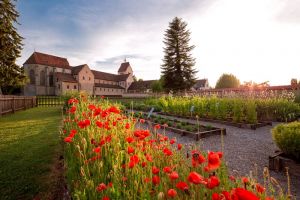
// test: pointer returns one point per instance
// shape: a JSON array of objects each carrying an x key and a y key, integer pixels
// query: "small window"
[
  {"x": 89, "y": 78},
  {"x": 57, "y": 80},
  {"x": 58, "y": 86},
  {"x": 86, "y": 71},
  {"x": 68, "y": 86},
  {"x": 75, "y": 87},
  {"x": 104, "y": 89},
  {"x": 83, "y": 78}
]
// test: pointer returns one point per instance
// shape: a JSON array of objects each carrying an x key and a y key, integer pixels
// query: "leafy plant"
[{"x": 287, "y": 138}]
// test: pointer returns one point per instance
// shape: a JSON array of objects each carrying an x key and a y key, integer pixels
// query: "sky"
[{"x": 256, "y": 40}]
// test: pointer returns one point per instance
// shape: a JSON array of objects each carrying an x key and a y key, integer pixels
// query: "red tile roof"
[
  {"x": 77, "y": 69},
  {"x": 63, "y": 77},
  {"x": 141, "y": 85},
  {"x": 49, "y": 60},
  {"x": 109, "y": 77},
  {"x": 124, "y": 67}
]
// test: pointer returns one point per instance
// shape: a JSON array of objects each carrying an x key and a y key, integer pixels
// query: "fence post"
[
  {"x": 1, "y": 106},
  {"x": 13, "y": 104},
  {"x": 24, "y": 101}
]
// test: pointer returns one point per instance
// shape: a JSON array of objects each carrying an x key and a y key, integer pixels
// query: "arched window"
[
  {"x": 42, "y": 78},
  {"x": 32, "y": 77}
]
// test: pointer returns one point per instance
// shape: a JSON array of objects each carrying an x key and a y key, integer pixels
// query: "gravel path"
[{"x": 243, "y": 149}]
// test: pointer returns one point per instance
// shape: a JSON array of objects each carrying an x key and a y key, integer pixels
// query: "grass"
[{"x": 29, "y": 144}]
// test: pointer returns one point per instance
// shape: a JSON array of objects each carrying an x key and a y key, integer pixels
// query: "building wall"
[
  {"x": 38, "y": 88},
  {"x": 68, "y": 87},
  {"x": 108, "y": 91},
  {"x": 86, "y": 80}
]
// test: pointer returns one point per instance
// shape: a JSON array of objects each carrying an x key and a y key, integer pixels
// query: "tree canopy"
[
  {"x": 178, "y": 63},
  {"x": 227, "y": 81},
  {"x": 10, "y": 47}
]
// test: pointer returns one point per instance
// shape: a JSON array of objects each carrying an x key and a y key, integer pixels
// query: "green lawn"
[{"x": 29, "y": 148}]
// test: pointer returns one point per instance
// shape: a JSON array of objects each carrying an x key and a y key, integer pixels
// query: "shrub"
[{"x": 287, "y": 138}]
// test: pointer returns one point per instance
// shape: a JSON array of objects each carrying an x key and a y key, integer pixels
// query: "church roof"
[
  {"x": 48, "y": 60},
  {"x": 124, "y": 67},
  {"x": 109, "y": 77},
  {"x": 77, "y": 69},
  {"x": 64, "y": 77},
  {"x": 141, "y": 85}
]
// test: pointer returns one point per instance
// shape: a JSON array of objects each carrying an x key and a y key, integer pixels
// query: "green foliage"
[
  {"x": 287, "y": 138},
  {"x": 157, "y": 86},
  {"x": 10, "y": 48},
  {"x": 227, "y": 81},
  {"x": 177, "y": 67},
  {"x": 250, "y": 112},
  {"x": 238, "y": 109}
]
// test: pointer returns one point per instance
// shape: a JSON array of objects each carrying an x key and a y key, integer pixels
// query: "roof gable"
[
  {"x": 124, "y": 66},
  {"x": 49, "y": 60},
  {"x": 77, "y": 69}
]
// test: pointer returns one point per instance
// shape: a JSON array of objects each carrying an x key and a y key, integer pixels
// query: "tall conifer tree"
[
  {"x": 11, "y": 74},
  {"x": 178, "y": 63}
]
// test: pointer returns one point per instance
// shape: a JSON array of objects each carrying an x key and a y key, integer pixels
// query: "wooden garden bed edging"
[
  {"x": 279, "y": 162},
  {"x": 235, "y": 124},
  {"x": 195, "y": 135}
]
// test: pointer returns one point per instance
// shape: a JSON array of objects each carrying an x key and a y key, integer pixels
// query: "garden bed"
[
  {"x": 229, "y": 123},
  {"x": 195, "y": 131},
  {"x": 279, "y": 162}
]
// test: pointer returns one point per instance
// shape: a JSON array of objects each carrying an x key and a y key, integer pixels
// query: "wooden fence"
[
  {"x": 50, "y": 101},
  {"x": 11, "y": 104}
]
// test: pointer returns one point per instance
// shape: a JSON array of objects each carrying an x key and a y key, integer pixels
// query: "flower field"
[{"x": 108, "y": 156}]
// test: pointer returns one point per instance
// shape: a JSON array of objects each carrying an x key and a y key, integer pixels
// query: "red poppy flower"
[
  {"x": 135, "y": 159},
  {"x": 127, "y": 126},
  {"x": 245, "y": 180},
  {"x": 155, "y": 170},
  {"x": 129, "y": 139},
  {"x": 167, "y": 152},
  {"x": 97, "y": 149},
  {"x": 157, "y": 126},
  {"x": 167, "y": 169},
  {"x": 214, "y": 161},
  {"x": 92, "y": 107},
  {"x": 144, "y": 164},
  {"x": 172, "y": 193},
  {"x": 182, "y": 185},
  {"x": 130, "y": 150},
  {"x": 179, "y": 146},
  {"x": 72, "y": 101},
  {"x": 260, "y": 188},
  {"x": 215, "y": 196},
  {"x": 174, "y": 175},
  {"x": 155, "y": 180},
  {"x": 195, "y": 178},
  {"x": 72, "y": 109},
  {"x": 84, "y": 123},
  {"x": 105, "y": 198},
  {"x": 197, "y": 158},
  {"x": 213, "y": 182},
  {"x": 68, "y": 139},
  {"x": 131, "y": 164},
  {"x": 242, "y": 194},
  {"x": 101, "y": 187},
  {"x": 72, "y": 133},
  {"x": 99, "y": 124},
  {"x": 142, "y": 121},
  {"x": 172, "y": 141},
  {"x": 114, "y": 109},
  {"x": 149, "y": 157}
]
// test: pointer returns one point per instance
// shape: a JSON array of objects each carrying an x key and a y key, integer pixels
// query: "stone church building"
[{"x": 53, "y": 75}]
